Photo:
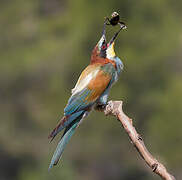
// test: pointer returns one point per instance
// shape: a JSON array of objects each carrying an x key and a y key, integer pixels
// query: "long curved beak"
[
  {"x": 104, "y": 31},
  {"x": 103, "y": 37},
  {"x": 122, "y": 26}
]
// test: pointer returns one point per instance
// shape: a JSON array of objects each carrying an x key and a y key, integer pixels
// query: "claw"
[{"x": 100, "y": 107}]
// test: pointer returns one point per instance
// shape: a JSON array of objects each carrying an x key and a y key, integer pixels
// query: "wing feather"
[
  {"x": 90, "y": 86},
  {"x": 86, "y": 76}
]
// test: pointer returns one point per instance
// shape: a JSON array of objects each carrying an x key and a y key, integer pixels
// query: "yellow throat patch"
[{"x": 110, "y": 51}]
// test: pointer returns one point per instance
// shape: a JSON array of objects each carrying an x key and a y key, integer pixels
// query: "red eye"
[{"x": 103, "y": 47}]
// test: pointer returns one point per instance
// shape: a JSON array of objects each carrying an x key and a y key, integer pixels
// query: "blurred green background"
[{"x": 45, "y": 44}]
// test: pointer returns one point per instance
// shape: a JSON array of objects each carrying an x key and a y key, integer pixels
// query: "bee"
[{"x": 115, "y": 19}]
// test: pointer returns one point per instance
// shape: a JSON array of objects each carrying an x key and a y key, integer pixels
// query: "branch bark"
[{"x": 115, "y": 108}]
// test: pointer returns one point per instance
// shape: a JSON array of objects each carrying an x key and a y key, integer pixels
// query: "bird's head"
[
  {"x": 110, "y": 53},
  {"x": 101, "y": 47},
  {"x": 99, "y": 50},
  {"x": 104, "y": 49}
]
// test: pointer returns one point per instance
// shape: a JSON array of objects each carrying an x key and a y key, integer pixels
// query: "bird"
[{"x": 91, "y": 90}]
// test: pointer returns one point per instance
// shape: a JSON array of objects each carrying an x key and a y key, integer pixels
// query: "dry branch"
[{"x": 115, "y": 108}]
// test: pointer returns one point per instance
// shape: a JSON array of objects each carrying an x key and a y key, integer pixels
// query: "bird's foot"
[{"x": 100, "y": 107}]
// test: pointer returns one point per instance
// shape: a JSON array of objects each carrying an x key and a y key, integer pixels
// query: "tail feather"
[
  {"x": 69, "y": 131},
  {"x": 64, "y": 122}
]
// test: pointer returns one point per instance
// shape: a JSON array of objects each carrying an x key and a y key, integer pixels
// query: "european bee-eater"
[{"x": 91, "y": 89}]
